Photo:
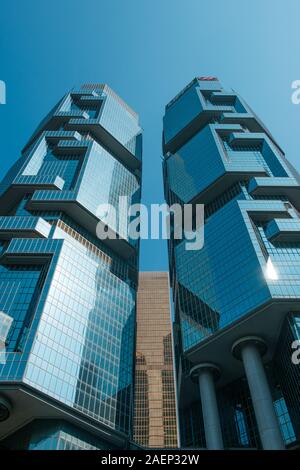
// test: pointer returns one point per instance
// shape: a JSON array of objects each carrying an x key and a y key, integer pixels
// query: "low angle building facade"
[
  {"x": 155, "y": 420},
  {"x": 236, "y": 300},
  {"x": 67, "y": 298}
]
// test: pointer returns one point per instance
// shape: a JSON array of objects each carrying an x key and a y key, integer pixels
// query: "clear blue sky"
[{"x": 148, "y": 50}]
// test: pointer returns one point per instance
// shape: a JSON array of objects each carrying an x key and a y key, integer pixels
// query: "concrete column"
[
  {"x": 249, "y": 350},
  {"x": 205, "y": 374}
]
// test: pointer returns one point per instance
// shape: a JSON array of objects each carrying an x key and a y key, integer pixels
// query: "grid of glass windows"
[
  {"x": 237, "y": 418},
  {"x": 155, "y": 423},
  {"x": 105, "y": 180},
  {"x": 222, "y": 290},
  {"x": 191, "y": 427},
  {"x": 288, "y": 375},
  {"x": 54, "y": 435},
  {"x": 86, "y": 339},
  {"x": 186, "y": 178},
  {"x": 121, "y": 122},
  {"x": 19, "y": 291}
]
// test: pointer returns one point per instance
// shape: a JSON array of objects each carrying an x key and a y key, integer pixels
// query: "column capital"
[
  {"x": 5, "y": 408},
  {"x": 256, "y": 341},
  {"x": 205, "y": 367}
]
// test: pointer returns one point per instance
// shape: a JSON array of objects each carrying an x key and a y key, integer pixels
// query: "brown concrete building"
[{"x": 155, "y": 423}]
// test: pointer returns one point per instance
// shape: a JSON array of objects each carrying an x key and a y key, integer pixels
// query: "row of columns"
[{"x": 250, "y": 350}]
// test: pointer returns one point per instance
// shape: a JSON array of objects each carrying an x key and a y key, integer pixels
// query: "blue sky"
[{"x": 147, "y": 51}]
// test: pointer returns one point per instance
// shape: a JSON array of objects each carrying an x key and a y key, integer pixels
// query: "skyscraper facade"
[
  {"x": 237, "y": 299},
  {"x": 67, "y": 297},
  {"x": 155, "y": 422}
]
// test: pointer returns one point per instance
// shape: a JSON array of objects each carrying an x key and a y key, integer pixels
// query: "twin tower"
[{"x": 68, "y": 299}]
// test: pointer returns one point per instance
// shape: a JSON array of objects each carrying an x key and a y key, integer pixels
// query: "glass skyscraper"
[
  {"x": 155, "y": 420},
  {"x": 236, "y": 300},
  {"x": 67, "y": 298}
]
